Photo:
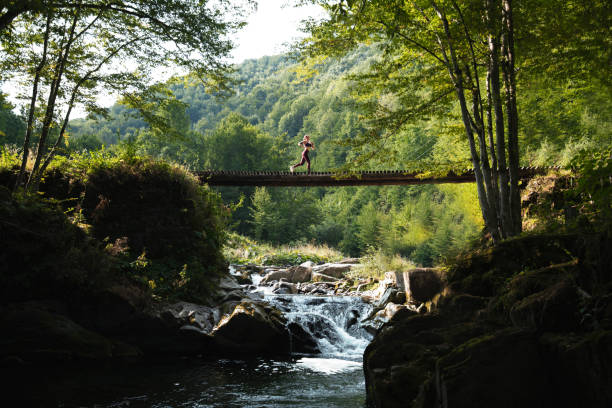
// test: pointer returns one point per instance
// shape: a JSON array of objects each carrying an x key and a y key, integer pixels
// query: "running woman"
[{"x": 307, "y": 144}]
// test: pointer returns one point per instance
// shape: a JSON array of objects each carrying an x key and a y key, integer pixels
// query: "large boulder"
[
  {"x": 173, "y": 329},
  {"x": 252, "y": 327},
  {"x": 294, "y": 274},
  {"x": 503, "y": 370},
  {"x": 33, "y": 334},
  {"x": 422, "y": 284},
  {"x": 335, "y": 270},
  {"x": 275, "y": 275},
  {"x": 551, "y": 309},
  {"x": 579, "y": 367},
  {"x": 299, "y": 274},
  {"x": 520, "y": 325}
]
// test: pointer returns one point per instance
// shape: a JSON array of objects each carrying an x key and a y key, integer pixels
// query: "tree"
[
  {"x": 12, "y": 126},
  {"x": 71, "y": 49},
  {"x": 455, "y": 48},
  {"x": 433, "y": 49}
]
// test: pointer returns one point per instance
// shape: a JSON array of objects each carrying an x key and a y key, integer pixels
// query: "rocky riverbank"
[
  {"x": 123, "y": 323},
  {"x": 527, "y": 323}
]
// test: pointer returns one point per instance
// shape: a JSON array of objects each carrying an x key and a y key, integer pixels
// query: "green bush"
[
  {"x": 158, "y": 224},
  {"x": 169, "y": 229},
  {"x": 592, "y": 193}
]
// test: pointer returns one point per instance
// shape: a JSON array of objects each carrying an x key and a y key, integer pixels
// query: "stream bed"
[{"x": 333, "y": 378}]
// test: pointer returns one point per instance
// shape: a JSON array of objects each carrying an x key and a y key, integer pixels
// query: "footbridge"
[{"x": 329, "y": 179}]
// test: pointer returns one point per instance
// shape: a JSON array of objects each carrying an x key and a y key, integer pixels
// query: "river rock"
[
  {"x": 335, "y": 270},
  {"x": 253, "y": 327},
  {"x": 34, "y": 335},
  {"x": 298, "y": 274},
  {"x": 321, "y": 277},
  {"x": 243, "y": 276},
  {"x": 180, "y": 328},
  {"x": 284, "y": 288},
  {"x": 275, "y": 275},
  {"x": 229, "y": 283},
  {"x": 294, "y": 274},
  {"x": 301, "y": 340},
  {"x": 392, "y": 295},
  {"x": 515, "y": 329},
  {"x": 397, "y": 279},
  {"x": 422, "y": 284}
]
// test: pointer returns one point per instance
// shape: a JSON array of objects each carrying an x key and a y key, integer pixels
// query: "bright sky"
[{"x": 270, "y": 28}]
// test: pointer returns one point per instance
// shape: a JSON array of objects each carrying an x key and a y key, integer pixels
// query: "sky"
[{"x": 269, "y": 28}]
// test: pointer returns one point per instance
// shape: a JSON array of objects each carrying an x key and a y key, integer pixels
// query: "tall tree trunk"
[
  {"x": 494, "y": 173},
  {"x": 456, "y": 75},
  {"x": 484, "y": 160},
  {"x": 49, "y": 113},
  {"x": 32, "y": 108},
  {"x": 502, "y": 170},
  {"x": 512, "y": 113}
]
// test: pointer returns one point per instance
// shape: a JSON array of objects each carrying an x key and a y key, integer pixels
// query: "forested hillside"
[{"x": 276, "y": 101}]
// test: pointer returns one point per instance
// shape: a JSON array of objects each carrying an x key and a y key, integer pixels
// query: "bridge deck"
[{"x": 363, "y": 178}]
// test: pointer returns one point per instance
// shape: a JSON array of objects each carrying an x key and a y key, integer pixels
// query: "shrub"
[{"x": 171, "y": 226}]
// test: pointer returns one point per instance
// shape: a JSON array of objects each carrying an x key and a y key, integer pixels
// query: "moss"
[{"x": 484, "y": 272}]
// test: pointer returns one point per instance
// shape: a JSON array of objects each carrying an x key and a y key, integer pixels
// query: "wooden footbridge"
[{"x": 362, "y": 178}]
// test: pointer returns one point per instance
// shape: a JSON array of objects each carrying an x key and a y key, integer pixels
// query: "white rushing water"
[{"x": 334, "y": 323}]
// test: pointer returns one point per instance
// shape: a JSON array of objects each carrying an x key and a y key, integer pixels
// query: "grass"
[
  {"x": 376, "y": 262},
  {"x": 242, "y": 250}
]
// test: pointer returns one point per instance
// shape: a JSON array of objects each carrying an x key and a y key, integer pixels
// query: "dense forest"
[{"x": 276, "y": 101}]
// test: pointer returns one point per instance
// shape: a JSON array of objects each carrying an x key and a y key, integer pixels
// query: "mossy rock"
[
  {"x": 501, "y": 369},
  {"x": 579, "y": 367},
  {"x": 39, "y": 336},
  {"x": 485, "y": 272},
  {"x": 402, "y": 357}
]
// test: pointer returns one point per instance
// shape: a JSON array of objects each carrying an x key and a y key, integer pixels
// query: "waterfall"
[{"x": 333, "y": 321}]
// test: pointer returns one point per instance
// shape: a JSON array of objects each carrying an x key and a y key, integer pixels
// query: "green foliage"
[
  {"x": 376, "y": 262},
  {"x": 593, "y": 190},
  {"x": 425, "y": 224},
  {"x": 170, "y": 227},
  {"x": 12, "y": 127},
  {"x": 242, "y": 250},
  {"x": 155, "y": 219},
  {"x": 283, "y": 215}
]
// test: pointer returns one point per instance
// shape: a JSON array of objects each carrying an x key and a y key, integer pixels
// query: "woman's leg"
[
  {"x": 301, "y": 162},
  {"x": 308, "y": 161}
]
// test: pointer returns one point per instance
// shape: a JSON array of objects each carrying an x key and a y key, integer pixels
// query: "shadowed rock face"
[
  {"x": 519, "y": 332},
  {"x": 32, "y": 332},
  {"x": 422, "y": 284},
  {"x": 117, "y": 326},
  {"x": 253, "y": 327}
]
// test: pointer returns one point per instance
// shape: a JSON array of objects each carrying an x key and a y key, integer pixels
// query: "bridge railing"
[{"x": 360, "y": 178}]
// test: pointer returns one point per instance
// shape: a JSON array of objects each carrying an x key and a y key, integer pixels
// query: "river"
[{"x": 333, "y": 378}]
